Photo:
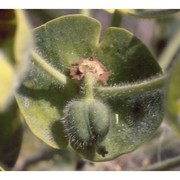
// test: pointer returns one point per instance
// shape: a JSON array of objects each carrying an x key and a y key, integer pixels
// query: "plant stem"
[
  {"x": 116, "y": 18},
  {"x": 86, "y": 12},
  {"x": 131, "y": 89},
  {"x": 49, "y": 69},
  {"x": 164, "y": 165},
  {"x": 149, "y": 13},
  {"x": 170, "y": 51},
  {"x": 3, "y": 167},
  {"x": 88, "y": 85}
]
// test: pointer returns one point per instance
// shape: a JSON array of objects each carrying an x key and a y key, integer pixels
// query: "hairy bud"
[{"x": 86, "y": 122}]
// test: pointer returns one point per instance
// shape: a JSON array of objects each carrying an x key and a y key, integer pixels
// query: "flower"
[{"x": 80, "y": 68}]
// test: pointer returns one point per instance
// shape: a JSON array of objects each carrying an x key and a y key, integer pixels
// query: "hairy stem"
[
  {"x": 49, "y": 69},
  {"x": 131, "y": 88},
  {"x": 86, "y": 12},
  {"x": 164, "y": 165},
  {"x": 170, "y": 51},
  {"x": 116, "y": 19},
  {"x": 88, "y": 85}
]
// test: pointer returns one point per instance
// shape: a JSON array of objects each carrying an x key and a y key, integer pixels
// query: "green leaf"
[
  {"x": 15, "y": 46},
  {"x": 10, "y": 135},
  {"x": 42, "y": 110},
  {"x": 44, "y": 97},
  {"x": 173, "y": 96}
]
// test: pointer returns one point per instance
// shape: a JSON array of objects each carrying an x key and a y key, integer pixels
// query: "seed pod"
[{"x": 86, "y": 122}]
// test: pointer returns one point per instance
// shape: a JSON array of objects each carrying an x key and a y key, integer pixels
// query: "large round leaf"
[{"x": 42, "y": 98}]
